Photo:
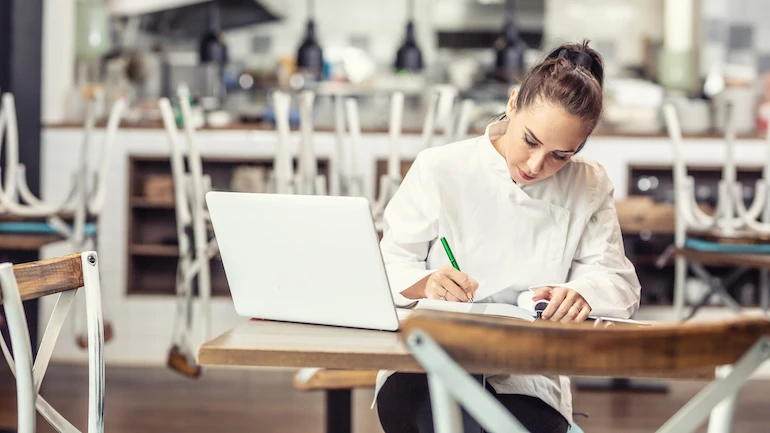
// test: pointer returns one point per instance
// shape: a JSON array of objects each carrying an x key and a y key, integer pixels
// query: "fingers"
[
  {"x": 571, "y": 314},
  {"x": 542, "y": 293},
  {"x": 461, "y": 280},
  {"x": 566, "y": 305},
  {"x": 557, "y": 297},
  {"x": 452, "y": 291},
  {"x": 583, "y": 314},
  {"x": 473, "y": 287},
  {"x": 599, "y": 323}
]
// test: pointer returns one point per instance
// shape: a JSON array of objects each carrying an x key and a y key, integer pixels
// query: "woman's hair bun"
[{"x": 581, "y": 55}]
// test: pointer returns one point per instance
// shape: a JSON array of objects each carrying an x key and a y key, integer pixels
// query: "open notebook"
[
  {"x": 488, "y": 309},
  {"x": 525, "y": 310}
]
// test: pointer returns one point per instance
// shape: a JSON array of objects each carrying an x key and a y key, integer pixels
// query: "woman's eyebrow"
[
  {"x": 534, "y": 137},
  {"x": 532, "y": 134}
]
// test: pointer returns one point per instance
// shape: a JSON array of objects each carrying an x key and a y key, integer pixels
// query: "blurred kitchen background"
[{"x": 232, "y": 53}]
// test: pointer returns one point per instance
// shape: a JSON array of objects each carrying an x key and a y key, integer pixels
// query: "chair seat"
[
  {"x": 720, "y": 247},
  {"x": 725, "y": 260},
  {"x": 33, "y": 227}
]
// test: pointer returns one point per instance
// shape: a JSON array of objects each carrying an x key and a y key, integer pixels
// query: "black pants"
[{"x": 403, "y": 405}]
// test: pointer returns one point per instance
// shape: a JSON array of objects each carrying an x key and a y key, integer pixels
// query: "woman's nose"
[{"x": 535, "y": 163}]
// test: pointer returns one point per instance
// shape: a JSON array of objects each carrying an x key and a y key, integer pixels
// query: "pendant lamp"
[
  {"x": 509, "y": 47},
  {"x": 409, "y": 57},
  {"x": 309, "y": 55},
  {"x": 211, "y": 48}
]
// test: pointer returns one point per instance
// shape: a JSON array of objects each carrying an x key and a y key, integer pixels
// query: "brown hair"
[{"x": 571, "y": 76}]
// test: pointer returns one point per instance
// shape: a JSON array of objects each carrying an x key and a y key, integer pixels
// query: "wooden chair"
[
  {"x": 338, "y": 386},
  {"x": 442, "y": 341},
  {"x": 62, "y": 276}
]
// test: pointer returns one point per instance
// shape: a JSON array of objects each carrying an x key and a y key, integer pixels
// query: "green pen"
[{"x": 451, "y": 256}]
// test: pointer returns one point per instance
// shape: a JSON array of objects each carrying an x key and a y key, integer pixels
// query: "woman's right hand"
[{"x": 449, "y": 284}]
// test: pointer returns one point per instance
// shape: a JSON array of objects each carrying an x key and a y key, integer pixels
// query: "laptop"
[{"x": 306, "y": 259}]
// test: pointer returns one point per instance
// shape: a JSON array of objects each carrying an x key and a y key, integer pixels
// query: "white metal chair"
[
  {"x": 440, "y": 111},
  {"x": 352, "y": 178},
  {"x": 731, "y": 219},
  {"x": 61, "y": 276},
  {"x": 442, "y": 343},
  {"x": 197, "y": 246},
  {"x": 282, "y": 176},
  {"x": 308, "y": 180},
  {"x": 438, "y": 115},
  {"x": 84, "y": 202},
  {"x": 390, "y": 181}
]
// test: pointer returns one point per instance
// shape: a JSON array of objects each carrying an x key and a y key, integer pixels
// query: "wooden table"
[
  {"x": 492, "y": 345},
  {"x": 263, "y": 343},
  {"x": 258, "y": 343}
]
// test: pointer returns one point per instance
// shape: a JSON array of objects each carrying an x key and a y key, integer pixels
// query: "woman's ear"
[{"x": 510, "y": 107}]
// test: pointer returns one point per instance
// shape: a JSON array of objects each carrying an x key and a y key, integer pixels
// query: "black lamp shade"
[
  {"x": 189, "y": 21},
  {"x": 510, "y": 51},
  {"x": 309, "y": 55},
  {"x": 409, "y": 56},
  {"x": 211, "y": 49}
]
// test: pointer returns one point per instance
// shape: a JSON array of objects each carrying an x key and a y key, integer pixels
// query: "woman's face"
[{"x": 539, "y": 140}]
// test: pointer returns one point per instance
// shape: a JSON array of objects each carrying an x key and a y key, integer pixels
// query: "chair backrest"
[
  {"x": 79, "y": 201},
  {"x": 507, "y": 346},
  {"x": 178, "y": 172},
  {"x": 8, "y": 126},
  {"x": 283, "y": 166},
  {"x": 62, "y": 276},
  {"x": 307, "y": 164}
]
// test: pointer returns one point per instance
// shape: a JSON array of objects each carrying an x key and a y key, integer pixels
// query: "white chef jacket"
[{"x": 562, "y": 231}]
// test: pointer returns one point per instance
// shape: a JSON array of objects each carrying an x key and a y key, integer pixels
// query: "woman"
[{"x": 518, "y": 208}]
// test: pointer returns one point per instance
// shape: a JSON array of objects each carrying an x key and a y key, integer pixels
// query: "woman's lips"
[{"x": 525, "y": 176}]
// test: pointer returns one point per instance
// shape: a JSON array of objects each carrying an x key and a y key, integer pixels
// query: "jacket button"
[{"x": 593, "y": 218}]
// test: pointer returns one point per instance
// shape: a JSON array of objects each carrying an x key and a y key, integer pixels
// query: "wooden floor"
[{"x": 242, "y": 400}]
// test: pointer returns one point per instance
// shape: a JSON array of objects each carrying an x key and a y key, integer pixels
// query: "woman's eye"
[
  {"x": 529, "y": 143},
  {"x": 559, "y": 157}
]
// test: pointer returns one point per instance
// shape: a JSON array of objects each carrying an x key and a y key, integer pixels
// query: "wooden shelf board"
[
  {"x": 141, "y": 202},
  {"x": 153, "y": 250}
]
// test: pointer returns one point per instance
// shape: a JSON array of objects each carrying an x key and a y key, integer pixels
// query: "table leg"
[{"x": 339, "y": 411}]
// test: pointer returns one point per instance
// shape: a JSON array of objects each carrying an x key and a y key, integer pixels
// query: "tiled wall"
[{"x": 735, "y": 31}]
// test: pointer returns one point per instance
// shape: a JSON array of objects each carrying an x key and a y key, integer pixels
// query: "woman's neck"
[{"x": 499, "y": 144}]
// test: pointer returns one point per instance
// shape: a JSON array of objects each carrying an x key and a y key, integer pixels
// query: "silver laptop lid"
[{"x": 308, "y": 259}]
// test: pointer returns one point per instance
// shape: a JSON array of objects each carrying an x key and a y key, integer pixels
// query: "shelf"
[
  {"x": 152, "y": 227},
  {"x": 140, "y": 202},
  {"x": 157, "y": 250}
]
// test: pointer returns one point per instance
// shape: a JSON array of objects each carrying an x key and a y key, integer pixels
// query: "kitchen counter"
[{"x": 265, "y": 126}]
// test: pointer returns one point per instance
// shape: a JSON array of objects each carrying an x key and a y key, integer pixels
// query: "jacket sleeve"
[
  {"x": 410, "y": 226},
  {"x": 600, "y": 271}
]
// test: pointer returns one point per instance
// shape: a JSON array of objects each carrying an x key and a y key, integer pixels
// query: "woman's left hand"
[{"x": 565, "y": 305}]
